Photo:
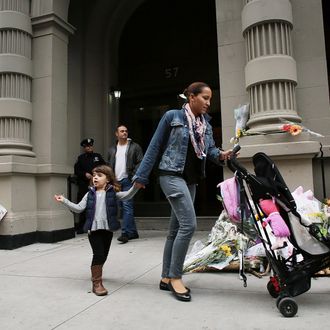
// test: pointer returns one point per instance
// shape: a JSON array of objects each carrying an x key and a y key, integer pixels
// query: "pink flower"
[{"x": 286, "y": 127}]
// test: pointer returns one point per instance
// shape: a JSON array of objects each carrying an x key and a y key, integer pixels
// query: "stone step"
[{"x": 161, "y": 223}]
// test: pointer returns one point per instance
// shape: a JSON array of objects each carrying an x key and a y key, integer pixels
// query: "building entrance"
[
  {"x": 141, "y": 117},
  {"x": 163, "y": 48}
]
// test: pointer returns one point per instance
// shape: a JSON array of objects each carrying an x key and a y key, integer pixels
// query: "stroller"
[{"x": 310, "y": 252}]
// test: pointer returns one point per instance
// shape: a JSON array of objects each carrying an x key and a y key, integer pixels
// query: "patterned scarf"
[{"x": 197, "y": 128}]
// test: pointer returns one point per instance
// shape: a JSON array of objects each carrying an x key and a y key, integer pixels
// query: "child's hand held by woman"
[{"x": 59, "y": 198}]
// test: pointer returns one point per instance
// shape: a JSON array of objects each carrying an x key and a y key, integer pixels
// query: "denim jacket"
[{"x": 169, "y": 146}]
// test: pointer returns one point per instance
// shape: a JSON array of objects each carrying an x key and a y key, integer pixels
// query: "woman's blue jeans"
[{"x": 182, "y": 224}]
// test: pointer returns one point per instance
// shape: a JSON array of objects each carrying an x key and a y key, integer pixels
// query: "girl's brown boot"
[{"x": 98, "y": 287}]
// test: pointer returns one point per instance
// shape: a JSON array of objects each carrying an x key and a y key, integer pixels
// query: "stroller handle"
[
  {"x": 236, "y": 149},
  {"x": 233, "y": 164}
]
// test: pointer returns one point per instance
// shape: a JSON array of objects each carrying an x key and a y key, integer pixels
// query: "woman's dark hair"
[
  {"x": 108, "y": 172},
  {"x": 195, "y": 88}
]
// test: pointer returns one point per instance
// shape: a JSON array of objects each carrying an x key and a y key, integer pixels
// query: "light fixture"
[
  {"x": 117, "y": 93},
  {"x": 182, "y": 96}
]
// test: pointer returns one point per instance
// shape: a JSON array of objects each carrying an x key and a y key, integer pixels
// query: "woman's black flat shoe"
[
  {"x": 164, "y": 286},
  {"x": 180, "y": 296}
]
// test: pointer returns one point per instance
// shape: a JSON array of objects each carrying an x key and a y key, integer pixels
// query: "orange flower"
[{"x": 295, "y": 130}]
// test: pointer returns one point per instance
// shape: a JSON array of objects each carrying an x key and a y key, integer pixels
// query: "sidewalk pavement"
[{"x": 47, "y": 286}]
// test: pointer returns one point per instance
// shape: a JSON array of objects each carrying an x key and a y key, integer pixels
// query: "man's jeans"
[
  {"x": 182, "y": 224},
  {"x": 128, "y": 224}
]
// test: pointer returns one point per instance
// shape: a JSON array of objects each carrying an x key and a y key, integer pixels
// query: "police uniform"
[{"x": 85, "y": 164}]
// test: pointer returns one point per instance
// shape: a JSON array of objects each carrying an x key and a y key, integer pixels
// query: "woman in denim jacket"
[{"x": 181, "y": 143}]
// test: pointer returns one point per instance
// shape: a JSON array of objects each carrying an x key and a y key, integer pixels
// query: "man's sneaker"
[
  {"x": 133, "y": 236},
  {"x": 79, "y": 231},
  {"x": 123, "y": 238}
]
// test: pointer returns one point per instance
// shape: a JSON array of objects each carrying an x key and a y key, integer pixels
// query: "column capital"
[{"x": 51, "y": 24}]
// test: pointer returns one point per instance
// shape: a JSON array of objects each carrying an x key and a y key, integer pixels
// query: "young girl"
[{"x": 101, "y": 218}]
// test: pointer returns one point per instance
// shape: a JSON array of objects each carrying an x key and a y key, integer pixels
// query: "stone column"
[
  {"x": 270, "y": 72},
  {"x": 51, "y": 34},
  {"x": 33, "y": 116},
  {"x": 15, "y": 78},
  {"x": 17, "y": 157}
]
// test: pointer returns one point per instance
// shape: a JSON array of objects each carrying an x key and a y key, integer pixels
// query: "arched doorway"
[
  {"x": 163, "y": 48},
  {"x": 151, "y": 50}
]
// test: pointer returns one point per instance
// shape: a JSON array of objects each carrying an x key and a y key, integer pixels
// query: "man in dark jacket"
[
  {"x": 83, "y": 170},
  {"x": 124, "y": 158}
]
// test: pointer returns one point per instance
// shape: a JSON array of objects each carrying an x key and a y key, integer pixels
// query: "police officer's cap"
[{"x": 87, "y": 142}]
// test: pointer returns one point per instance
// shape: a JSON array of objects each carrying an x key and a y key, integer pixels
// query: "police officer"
[{"x": 83, "y": 170}]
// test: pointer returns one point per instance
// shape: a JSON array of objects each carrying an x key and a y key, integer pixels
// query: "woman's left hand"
[
  {"x": 139, "y": 185},
  {"x": 225, "y": 155}
]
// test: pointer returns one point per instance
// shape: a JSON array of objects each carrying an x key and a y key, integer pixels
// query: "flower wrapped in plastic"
[
  {"x": 220, "y": 250},
  {"x": 241, "y": 115},
  {"x": 314, "y": 213},
  {"x": 308, "y": 206},
  {"x": 295, "y": 129}
]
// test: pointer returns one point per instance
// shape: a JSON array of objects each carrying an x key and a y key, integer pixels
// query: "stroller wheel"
[
  {"x": 288, "y": 307},
  {"x": 282, "y": 295},
  {"x": 272, "y": 289}
]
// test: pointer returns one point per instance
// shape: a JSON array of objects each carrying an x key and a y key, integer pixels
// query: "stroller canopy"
[{"x": 272, "y": 180}]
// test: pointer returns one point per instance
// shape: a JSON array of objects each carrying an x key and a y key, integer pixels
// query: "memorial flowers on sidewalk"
[
  {"x": 221, "y": 248},
  {"x": 217, "y": 252}
]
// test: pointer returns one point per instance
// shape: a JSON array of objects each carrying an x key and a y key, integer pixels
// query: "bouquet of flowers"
[
  {"x": 241, "y": 115},
  {"x": 314, "y": 213},
  {"x": 295, "y": 129},
  {"x": 221, "y": 248}
]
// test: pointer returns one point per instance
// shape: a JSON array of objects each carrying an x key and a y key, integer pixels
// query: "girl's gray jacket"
[{"x": 169, "y": 146}]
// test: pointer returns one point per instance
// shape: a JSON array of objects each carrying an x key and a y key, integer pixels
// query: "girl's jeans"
[
  {"x": 182, "y": 224},
  {"x": 100, "y": 241}
]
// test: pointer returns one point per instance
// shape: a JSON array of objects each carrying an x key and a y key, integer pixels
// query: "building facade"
[{"x": 60, "y": 61}]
